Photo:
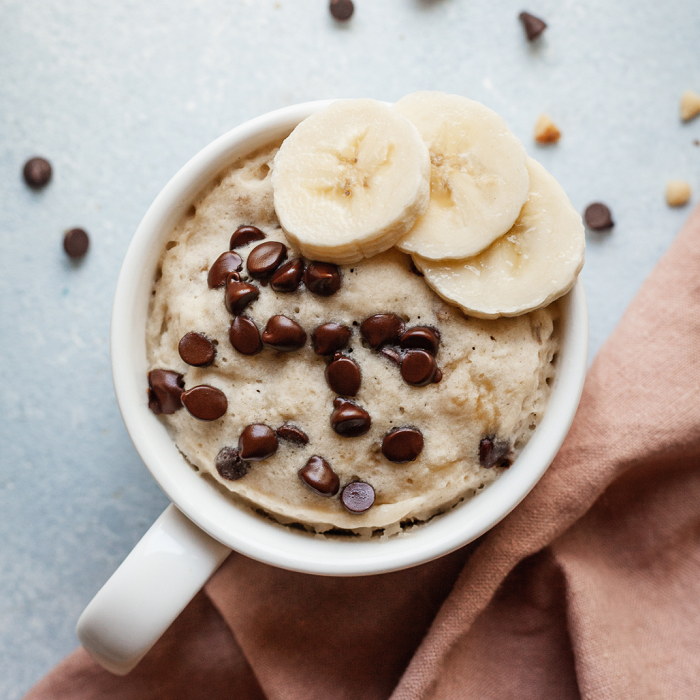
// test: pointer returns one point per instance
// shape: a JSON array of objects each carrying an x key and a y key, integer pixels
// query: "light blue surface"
[{"x": 119, "y": 95}]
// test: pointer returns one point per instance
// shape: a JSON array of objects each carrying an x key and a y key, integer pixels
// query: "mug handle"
[{"x": 163, "y": 572}]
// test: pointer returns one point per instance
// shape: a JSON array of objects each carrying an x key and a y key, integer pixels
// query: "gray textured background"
[{"x": 119, "y": 95}]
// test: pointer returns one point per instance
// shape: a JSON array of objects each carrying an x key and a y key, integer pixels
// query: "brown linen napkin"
[{"x": 589, "y": 589}]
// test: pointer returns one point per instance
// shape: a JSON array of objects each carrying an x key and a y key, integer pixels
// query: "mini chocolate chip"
[
  {"x": 533, "y": 26},
  {"x": 402, "y": 445},
  {"x": 319, "y": 477},
  {"x": 281, "y": 333},
  {"x": 257, "y": 441},
  {"x": 392, "y": 354},
  {"x": 287, "y": 277},
  {"x": 205, "y": 402},
  {"x": 329, "y": 338},
  {"x": 76, "y": 242},
  {"x": 265, "y": 258},
  {"x": 382, "y": 329},
  {"x": 230, "y": 465},
  {"x": 244, "y": 235},
  {"x": 343, "y": 375},
  {"x": 245, "y": 336},
  {"x": 292, "y": 434},
  {"x": 438, "y": 376},
  {"x": 418, "y": 367},
  {"x": 422, "y": 337},
  {"x": 598, "y": 217},
  {"x": 37, "y": 172},
  {"x": 165, "y": 388},
  {"x": 492, "y": 451},
  {"x": 322, "y": 278},
  {"x": 196, "y": 350},
  {"x": 357, "y": 497},
  {"x": 239, "y": 294},
  {"x": 223, "y": 266},
  {"x": 342, "y": 9},
  {"x": 348, "y": 419}
]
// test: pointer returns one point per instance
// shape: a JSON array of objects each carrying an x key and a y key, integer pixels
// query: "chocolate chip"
[
  {"x": 343, "y": 375},
  {"x": 414, "y": 269},
  {"x": 382, "y": 329},
  {"x": 205, "y": 402},
  {"x": 76, "y": 243},
  {"x": 245, "y": 336},
  {"x": 348, "y": 419},
  {"x": 196, "y": 350},
  {"x": 265, "y": 258},
  {"x": 37, "y": 172},
  {"x": 257, "y": 441},
  {"x": 239, "y": 294},
  {"x": 319, "y": 477},
  {"x": 322, "y": 278},
  {"x": 292, "y": 434},
  {"x": 598, "y": 217},
  {"x": 281, "y": 333},
  {"x": 494, "y": 452},
  {"x": 438, "y": 376},
  {"x": 422, "y": 337},
  {"x": 223, "y": 266},
  {"x": 329, "y": 338},
  {"x": 230, "y": 465},
  {"x": 418, "y": 367},
  {"x": 402, "y": 445},
  {"x": 357, "y": 497},
  {"x": 244, "y": 235},
  {"x": 533, "y": 26},
  {"x": 342, "y": 9},
  {"x": 288, "y": 277},
  {"x": 165, "y": 388},
  {"x": 392, "y": 354}
]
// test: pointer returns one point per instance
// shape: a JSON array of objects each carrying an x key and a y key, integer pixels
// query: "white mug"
[{"x": 195, "y": 534}]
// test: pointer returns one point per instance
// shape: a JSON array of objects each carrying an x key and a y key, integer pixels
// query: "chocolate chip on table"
[
  {"x": 244, "y": 235},
  {"x": 533, "y": 26},
  {"x": 76, "y": 243},
  {"x": 287, "y": 277},
  {"x": 257, "y": 441},
  {"x": 329, "y": 338},
  {"x": 245, "y": 336},
  {"x": 348, "y": 419},
  {"x": 292, "y": 434},
  {"x": 196, "y": 350},
  {"x": 343, "y": 375},
  {"x": 421, "y": 337},
  {"x": 342, "y": 9},
  {"x": 165, "y": 388},
  {"x": 265, "y": 258},
  {"x": 382, "y": 329},
  {"x": 37, "y": 172},
  {"x": 239, "y": 294},
  {"x": 598, "y": 217},
  {"x": 319, "y": 477},
  {"x": 230, "y": 465},
  {"x": 494, "y": 452},
  {"x": 281, "y": 333},
  {"x": 223, "y": 266},
  {"x": 392, "y": 354},
  {"x": 418, "y": 367},
  {"x": 322, "y": 278},
  {"x": 357, "y": 497},
  {"x": 205, "y": 402},
  {"x": 402, "y": 445}
]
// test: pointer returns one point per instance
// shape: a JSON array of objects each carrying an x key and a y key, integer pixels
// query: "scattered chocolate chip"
[
  {"x": 292, "y": 434},
  {"x": 205, "y": 402},
  {"x": 533, "y": 26},
  {"x": 402, "y": 445},
  {"x": 343, "y": 375},
  {"x": 244, "y": 235},
  {"x": 76, "y": 243},
  {"x": 230, "y": 465},
  {"x": 265, "y": 258},
  {"x": 319, "y": 477},
  {"x": 418, "y": 367},
  {"x": 165, "y": 388},
  {"x": 239, "y": 294},
  {"x": 392, "y": 354},
  {"x": 382, "y": 329},
  {"x": 322, "y": 278},
  {"x": 493, "y": 452},
  {"x": 257, "y": 441},
  {"x": 438, "y": 376},
  {"x": 342, "y": 9},
  {"x": 598, "y": 217},
  {"x": 348, "y": 419},
  {"x": 245, "y": 336},
  {"x": 329, "y": 338},
  {"x": 357, "y": 497},
  {"x": 414, "y": 269},
  {"x": 281, "y": 333},
  {"x": 422, "y": 337},
  {"x": 223, "y": 266},
  {"x": 287, "y": 277},
  {"x": 196, "y": 350},
  {"x": 37, "y": 172}
]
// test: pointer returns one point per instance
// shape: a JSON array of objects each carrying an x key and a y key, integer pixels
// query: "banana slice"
[
  {"x": 350, "y": 180},
  {"x": 478, "y": 182},
  {"x": 536, "y": 262}
]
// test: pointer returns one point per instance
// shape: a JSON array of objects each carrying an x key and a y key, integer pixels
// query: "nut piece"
[
  {"x": 690, "y": 105},
  {"x": 546, "y": 130},
  {"x": 677, "y": 193}
]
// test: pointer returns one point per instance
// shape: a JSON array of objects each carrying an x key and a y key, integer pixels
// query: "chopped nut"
[
  {"x": 546, "y": 130},
  {"x": 690, "y": 105},
  {"x": 677, "y": 193}
]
